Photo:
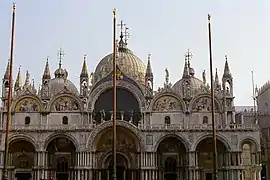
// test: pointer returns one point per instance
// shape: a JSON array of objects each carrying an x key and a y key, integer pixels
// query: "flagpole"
[
  {"x": 5, "y": 174},
  {"x": 114, "y": 94},
  {"x": 215, "y": 171}
]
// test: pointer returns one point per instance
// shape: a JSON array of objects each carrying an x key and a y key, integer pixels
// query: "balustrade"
[{"x": 153, "y": 127}]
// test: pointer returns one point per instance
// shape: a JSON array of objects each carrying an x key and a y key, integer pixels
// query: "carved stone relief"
[
  {"x": 27, "y": 105},
  {"x": 167, "y": 103},
  {"x": 203, "y": 104},
  {"x": 65, "y": 104}
]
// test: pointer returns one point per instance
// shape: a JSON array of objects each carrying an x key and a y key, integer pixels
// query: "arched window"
[
  {"x": 27, "y": 120},
  {"x": 167, "y": 120},
  {"x": 65, "y": 120},
  {"x": 205, "y": 120},
  {"x": 6, "y": 84}
]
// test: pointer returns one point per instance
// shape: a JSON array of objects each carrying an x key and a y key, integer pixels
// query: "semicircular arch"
[
  {"x": 65, "y": 102},
  {"x": 27, "y": 103},
  {"x": 135, "y": 91},
  {"x": 107, "y": 124},
  {"x": 107, "y": 155},
  {"x": 24, "y": 137},
  {"x": 181, "y": 138},
  {"x": 53, "y": 136},
  {"x": 206, "y": 101},
  {"x": 249, "y": 140},
  {"x": 169, "y": 100},
  {"x": 221, "y": 138}
]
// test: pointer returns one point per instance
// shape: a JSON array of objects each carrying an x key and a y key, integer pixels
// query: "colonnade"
[{"x": 230, "y": 167}]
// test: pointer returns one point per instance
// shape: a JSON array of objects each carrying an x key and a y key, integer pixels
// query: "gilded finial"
[
  {"x": 14, "y": 6},
  {"x": 209, "y": 18},
  {"x": 149, "y": 57},
  {"x": 114, "y": 12}
]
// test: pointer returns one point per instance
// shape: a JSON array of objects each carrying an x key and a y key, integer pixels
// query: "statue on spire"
[{"x": 166, "y": 76}]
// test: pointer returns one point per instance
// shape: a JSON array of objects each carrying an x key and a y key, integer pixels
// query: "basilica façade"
[{"x": 61, "y": 132}]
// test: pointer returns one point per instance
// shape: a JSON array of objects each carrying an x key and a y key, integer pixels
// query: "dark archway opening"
[
  {"x": 205, "y": 158},
  {"x": 23, "y": 154},
  {"x": 127, "y": 106},
  {"x": 172, "y": 158},
  {"x": 121, "y": 166},
  {"x": 23, "y": 176},
  {"x": 61, "y": 157}
]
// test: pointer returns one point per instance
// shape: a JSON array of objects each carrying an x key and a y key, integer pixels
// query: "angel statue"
[{"x": 166, "y": 76}]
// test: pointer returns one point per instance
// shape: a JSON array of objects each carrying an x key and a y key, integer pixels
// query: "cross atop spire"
[
  {"x": 61, "y": 54},
  {"x": 122, "y": 26},
  {"x": 188, "y": 55}
]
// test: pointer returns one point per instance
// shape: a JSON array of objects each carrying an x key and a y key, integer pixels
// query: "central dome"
[{"x": 126, "y": 61}]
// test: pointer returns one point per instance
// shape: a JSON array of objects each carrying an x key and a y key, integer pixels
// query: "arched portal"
[
  {"x": 249, "y": 159},
  {"x": 205, "y": 158},
  {"x": 128, "y": 107},
  {"x": 22, "y": 155},
  {"x": 127, "y": 147},
  {"x": 61, "y": 158},
  {"x": 172, "y": 158}
]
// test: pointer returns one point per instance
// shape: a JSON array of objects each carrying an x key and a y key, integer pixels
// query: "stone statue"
[
  {"x": 204, "y": 77},
  {"x": 93, "y": 115},
  {"x": 166, "y": 76},
  {"x": 102, "y": 114},
  {"x": 85, "y": 89},
  {"x": 131, "y": 115},
  {"x": 91, "y": 79}
]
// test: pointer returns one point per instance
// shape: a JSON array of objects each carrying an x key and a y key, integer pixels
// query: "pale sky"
[{"x": 166, "y": 29}]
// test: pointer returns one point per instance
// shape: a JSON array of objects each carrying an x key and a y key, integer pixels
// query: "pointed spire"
[
  {"x": 84, "y": 72},
  {"x": 186, "y": 69},
  {"x": 27, "y": 80},
  {"x": 33, "y": 86},
  {"x": 227, "y": 72},
  {"x": 216, "y": 77},
  {"x": 7, "y": 70},
  {"x": 18, "y": 83},
  {"x": 149, "y": 72},
  {"x": 46, "y": 74}
]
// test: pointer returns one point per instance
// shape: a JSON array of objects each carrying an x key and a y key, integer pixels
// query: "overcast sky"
[{"x": 166, "y": 29}]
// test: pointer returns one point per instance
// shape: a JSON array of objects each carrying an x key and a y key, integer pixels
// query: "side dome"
[
  {"x": 60, "y": 82},
  {"x": 195, "y": 85},
  {"x": 126, "y": 61},
  {"x": 188, "y": 82}
]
